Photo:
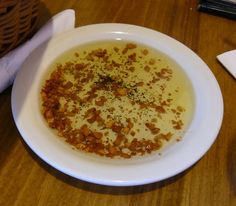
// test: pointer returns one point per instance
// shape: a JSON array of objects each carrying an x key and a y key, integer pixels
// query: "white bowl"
[{"x": 198, "y": 138}]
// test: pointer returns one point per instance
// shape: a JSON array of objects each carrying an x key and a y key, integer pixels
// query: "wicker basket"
[{"x": 18, "y": 20}]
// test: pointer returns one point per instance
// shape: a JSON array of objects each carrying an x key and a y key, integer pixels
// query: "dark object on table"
[
  {"x": 18, "y": 20},
  {"x": 225, "y": 8}
]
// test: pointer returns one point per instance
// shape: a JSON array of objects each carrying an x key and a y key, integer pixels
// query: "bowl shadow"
[{"x": 8, "y": 131}]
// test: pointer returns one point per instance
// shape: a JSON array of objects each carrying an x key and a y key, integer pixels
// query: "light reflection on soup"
[{"x": 117, "y": 99}]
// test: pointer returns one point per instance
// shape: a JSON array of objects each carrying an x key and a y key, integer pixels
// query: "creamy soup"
[{"x": 117, "y": 99}]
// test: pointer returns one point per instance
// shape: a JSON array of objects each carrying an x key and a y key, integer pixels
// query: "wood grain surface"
[{"x": 27, "y": 180}]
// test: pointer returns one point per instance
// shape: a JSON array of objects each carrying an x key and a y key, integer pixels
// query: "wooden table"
[{"x": 26, "y": 180}]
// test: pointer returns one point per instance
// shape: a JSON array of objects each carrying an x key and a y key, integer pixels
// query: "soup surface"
[{"x": 117, "y": 99}]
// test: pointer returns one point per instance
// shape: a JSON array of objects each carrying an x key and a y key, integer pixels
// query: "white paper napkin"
[
  {"x": 228, "y": 59},
  {"x": 11, "y": 62}
]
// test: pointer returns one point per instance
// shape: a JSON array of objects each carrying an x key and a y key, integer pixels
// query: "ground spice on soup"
[{"x": 99, "y": 104}]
